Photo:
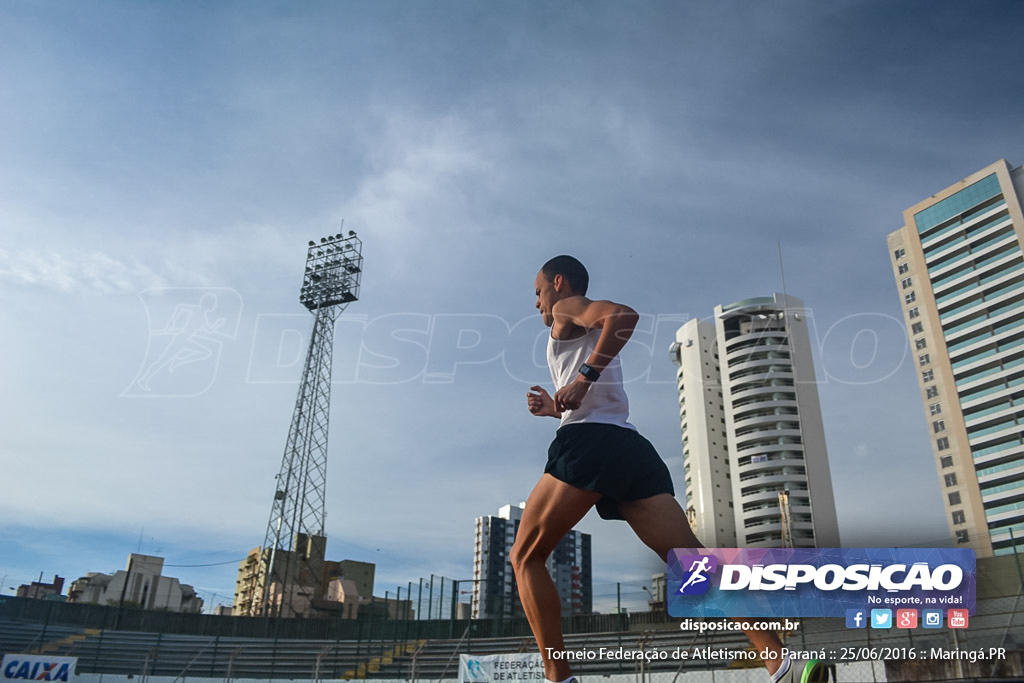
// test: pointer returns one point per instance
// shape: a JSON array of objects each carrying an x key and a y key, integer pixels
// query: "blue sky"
[{"x": 153, "y": 152}]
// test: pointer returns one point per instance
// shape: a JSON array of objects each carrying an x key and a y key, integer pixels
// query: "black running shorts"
[{"x": 615, "y": 461}]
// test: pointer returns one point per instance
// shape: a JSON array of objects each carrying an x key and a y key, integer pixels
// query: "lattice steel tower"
[{"x": 292, "y": 556}]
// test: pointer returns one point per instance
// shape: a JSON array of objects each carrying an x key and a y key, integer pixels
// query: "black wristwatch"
[{"x": 590, "y": 374}]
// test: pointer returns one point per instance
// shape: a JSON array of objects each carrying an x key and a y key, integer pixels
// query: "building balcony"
[
  {"x": 989, "y": 275},
  {"x": 981, "y": 301},
  {"x": 771, "y": 334},
  {"x": 759, "y": 347},
  {"x": 1005, "y": 514},
  {"x": 766, "y": 406},
  {"x": 759, "y": 479},
  {"x": 988, "y": 341},
  {"x": 775, "y": 381},
  {"x": 798, "y": 508},
  {"x": 772, "y": 495},
  {"x": 756, "y": 470},
  {"x": 767, "y": 437},
  {"x": 995, "y": 494},
  {"x": 762, "y": 527},
  {"x": 773, "y": 452},
  {"x": 948, "y": 256},
  {"x": 770, "y": 398},
  {"x": 965, "y": 274},
  {"x": 995, "y": 459},
  {"x": 999, "y": 432},
  {"x": 756, "y": 368},
  {"x": 995, "y": 388},
  {"x": 778, "y": 419},
  {"x": 997, "y": 412}
]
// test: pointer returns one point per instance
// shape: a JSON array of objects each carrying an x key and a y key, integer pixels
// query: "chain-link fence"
[{"x": 439, "y": 597}]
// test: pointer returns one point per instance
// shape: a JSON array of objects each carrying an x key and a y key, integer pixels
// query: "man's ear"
[{"x": 558, "y": 282}]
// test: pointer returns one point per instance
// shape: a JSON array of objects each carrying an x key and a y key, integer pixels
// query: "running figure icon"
[{"x": 698, "y": 569}]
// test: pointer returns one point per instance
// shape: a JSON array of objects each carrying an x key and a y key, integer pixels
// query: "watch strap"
[{"x": 590, "y": 374}]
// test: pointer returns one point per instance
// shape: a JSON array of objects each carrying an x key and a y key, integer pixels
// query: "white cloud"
[
  {"x": 417, "y": 192},
  {"x": 77, "y": 272}
]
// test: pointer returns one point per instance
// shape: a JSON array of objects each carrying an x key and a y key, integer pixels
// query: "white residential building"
[{"x": 754, "y": 455}]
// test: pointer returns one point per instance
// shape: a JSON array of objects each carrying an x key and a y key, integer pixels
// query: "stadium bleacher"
[{"x": 997, "y": 623}]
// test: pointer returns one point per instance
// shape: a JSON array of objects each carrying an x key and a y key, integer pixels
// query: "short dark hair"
[{"x": 569, "y": 268}]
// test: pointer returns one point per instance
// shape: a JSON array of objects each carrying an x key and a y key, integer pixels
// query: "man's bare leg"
[
  {"x": 661, "y": 524},
  {"x": 552, "y": 510}
]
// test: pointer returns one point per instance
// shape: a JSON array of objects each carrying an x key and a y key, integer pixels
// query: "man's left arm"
[{"x": 616, "y": 322}]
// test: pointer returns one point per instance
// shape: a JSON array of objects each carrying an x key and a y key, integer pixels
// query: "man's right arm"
[{"x": 540, "y": 403}]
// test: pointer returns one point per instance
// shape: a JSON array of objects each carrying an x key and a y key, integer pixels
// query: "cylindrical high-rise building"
[
  {"x": 753, "y": 437},
  {"x": 706, "y": 478}
]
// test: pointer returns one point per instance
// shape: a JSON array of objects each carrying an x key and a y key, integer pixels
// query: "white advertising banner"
[
  {"x": 37, "y": 668},
  {"x": 501, "y": 668}
]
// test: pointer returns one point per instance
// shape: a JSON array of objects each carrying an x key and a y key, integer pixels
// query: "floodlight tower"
[{"x": 293, "y": 551}]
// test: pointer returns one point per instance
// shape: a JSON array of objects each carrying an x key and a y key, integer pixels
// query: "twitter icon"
[{"x": 881, "y": 618}]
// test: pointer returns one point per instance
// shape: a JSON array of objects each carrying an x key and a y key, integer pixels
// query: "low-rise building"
[
  {"x": 305, "y": 584},
  {"x": 141, "y": 584},
  {"x": 38, "y": 590}
]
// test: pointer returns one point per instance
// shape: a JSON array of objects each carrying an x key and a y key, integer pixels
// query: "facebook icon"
[{"x": 855, "y": 618}]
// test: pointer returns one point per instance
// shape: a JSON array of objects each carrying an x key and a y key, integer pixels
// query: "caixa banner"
[
  {"x": 37, "y": 668},
  {"x": 816, "y": 582}
]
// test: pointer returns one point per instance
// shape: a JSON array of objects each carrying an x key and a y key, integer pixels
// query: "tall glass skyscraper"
[{"x": 959, "y": 270}]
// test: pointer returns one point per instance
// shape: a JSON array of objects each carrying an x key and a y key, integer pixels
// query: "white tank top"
[{"x": 606, "y": 400}]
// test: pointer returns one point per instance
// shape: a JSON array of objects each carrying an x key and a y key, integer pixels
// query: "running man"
[{"x": 598, "y": 459}]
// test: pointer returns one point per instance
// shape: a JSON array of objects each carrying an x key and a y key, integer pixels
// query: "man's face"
[{"x": 547, "y": 295}]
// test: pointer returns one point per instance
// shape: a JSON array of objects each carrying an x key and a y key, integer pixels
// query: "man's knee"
[
  {"x": 519, "y": 556},
  {"x": 526, "y": 550},
  {"x": 515, "y": 557}
]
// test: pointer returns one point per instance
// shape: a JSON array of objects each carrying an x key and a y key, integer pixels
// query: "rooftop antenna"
[
  {"x": 782, "y": 270},
  {"x": 785, "y": 294},
  {"x": 785, "y": 513}
]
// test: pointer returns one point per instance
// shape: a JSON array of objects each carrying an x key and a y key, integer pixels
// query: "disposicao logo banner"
[{"x": 816, "y": 582}]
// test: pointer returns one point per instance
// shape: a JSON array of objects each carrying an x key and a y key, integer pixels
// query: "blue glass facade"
[{"x": 956, "y": 204}]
